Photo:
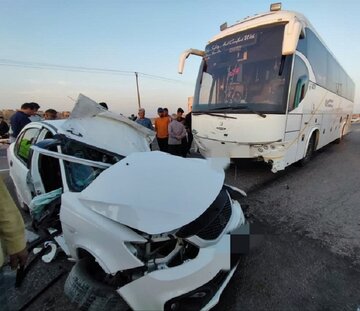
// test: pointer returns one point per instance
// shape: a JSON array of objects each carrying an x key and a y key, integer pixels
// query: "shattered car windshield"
[{"x": 79, "y": 176}]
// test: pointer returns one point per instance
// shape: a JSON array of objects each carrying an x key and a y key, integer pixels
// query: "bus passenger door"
[{"x": 298, "y": 91}]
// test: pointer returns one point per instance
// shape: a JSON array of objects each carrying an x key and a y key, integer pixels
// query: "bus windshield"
[{"x": 244, "y": 72}]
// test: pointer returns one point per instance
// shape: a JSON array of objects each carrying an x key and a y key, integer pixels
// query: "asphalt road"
[{"x": 309, "y": 256}]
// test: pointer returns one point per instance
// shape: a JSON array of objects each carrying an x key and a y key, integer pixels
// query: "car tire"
[{"x": 90, "y": 294}]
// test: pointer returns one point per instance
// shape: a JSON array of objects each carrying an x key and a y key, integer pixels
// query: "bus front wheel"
[
  {"x": 339, "y": 140},
  {"x": 309, "y": 151}
]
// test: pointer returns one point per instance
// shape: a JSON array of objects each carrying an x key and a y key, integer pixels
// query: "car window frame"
[
  {"x": 27, "y": 163},
  {"x": 34, "y": 165}
]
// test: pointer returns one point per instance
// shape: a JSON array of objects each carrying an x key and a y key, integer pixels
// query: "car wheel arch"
[
  {"x": 83, "y": 252},
  {"x": 89, "y": 293}
]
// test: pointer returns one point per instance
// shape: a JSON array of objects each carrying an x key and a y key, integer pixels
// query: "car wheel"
[{"x": 90, "y": 294}]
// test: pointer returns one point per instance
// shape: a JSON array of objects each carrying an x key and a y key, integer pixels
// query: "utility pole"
[{"x": 137, "y": 88}]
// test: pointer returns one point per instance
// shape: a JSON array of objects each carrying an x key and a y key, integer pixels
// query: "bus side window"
[
  {"x": 300, "y": 91},
  {"x": 299, "y": 83}
]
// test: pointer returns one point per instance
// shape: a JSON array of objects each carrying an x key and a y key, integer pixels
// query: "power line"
[
  {"x": 47, "y": 66},
  {"x": 61, "y": 69}
]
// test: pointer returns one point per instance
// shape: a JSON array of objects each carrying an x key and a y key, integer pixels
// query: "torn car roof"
[{"x": 93, "y": 125}]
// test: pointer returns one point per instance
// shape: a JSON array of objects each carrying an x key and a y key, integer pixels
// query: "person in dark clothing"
[
  {"x": 20, "y": 118},
  {"x": 179, "y": 114},
  {"x": 184, "y": 141},
  {"x": 4, "y": 128},
  {"x": 35, "y": 117},
  {"x": 190, "y": 137}
]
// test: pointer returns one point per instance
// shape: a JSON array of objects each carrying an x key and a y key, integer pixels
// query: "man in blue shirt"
[
  {"x": 20, "y": 118},
  {"x": 144, "y": 121}
]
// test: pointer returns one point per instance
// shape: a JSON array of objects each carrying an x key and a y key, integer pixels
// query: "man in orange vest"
[{"x": 161, "y": 129}]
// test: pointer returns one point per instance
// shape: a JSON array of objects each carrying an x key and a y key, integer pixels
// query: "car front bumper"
[{"x": 196, "y": 283}]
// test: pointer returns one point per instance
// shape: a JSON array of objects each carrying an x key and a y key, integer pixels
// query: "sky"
[{"x": 50, "y": 51}]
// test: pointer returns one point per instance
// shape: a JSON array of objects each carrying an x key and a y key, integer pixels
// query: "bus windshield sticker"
[{"x": 231, "y": 45}]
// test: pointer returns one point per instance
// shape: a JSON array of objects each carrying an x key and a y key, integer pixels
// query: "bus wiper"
[
  {"x": 213, "y": 114},
  {"x": 251, "y": 110},
  {"x": 222, "y": 108},
  {"x": 240, "y": 107}
]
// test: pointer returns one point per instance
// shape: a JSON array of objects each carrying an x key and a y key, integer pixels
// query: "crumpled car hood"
[
  {"x": 91, "y": 124},
  {"x": 154, "y": 192}
]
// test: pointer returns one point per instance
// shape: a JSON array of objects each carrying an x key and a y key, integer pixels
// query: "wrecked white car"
[{"x": 149, "y": 230}]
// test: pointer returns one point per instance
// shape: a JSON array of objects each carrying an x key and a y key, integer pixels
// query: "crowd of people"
[
  {"x": 27, "y": 113},
  {"x": 173, "y": 133}
]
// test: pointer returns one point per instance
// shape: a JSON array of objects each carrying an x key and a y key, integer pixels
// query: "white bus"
[{"x": 269, "y": 88}]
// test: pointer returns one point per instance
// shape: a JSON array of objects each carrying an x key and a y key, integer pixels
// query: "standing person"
[
  {"x": 184, "y": 141},
  {"x": 12, "y": 240},
  {"x": 190, "y": 136},
  {"x": 50, "y": 114},
  {"x": 176, "y": 134},
  {"x": 179, "y": 114},
  {"x": 161, "y": 129},
  {"x": 166, "y": 114},
  {"x": 4, "y": 127},
  {"x": 35, "y": 116},
  {"x": 20, "y": 118},
  {"x": 144, "y": 121}
]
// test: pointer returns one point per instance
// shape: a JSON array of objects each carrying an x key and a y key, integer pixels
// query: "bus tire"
[
  {"x": 90, "y": 294},
  {"x": 309, "y": 151},
  {"x": 340, "y": 139}
]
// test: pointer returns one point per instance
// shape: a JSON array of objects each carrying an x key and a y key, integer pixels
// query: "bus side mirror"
[
  {"x": 293, "y": 30},
  {"x": 185, "y": 55}
]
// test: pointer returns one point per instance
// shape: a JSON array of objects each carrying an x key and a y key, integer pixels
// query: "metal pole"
[{"x": 137, "y": 88}]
